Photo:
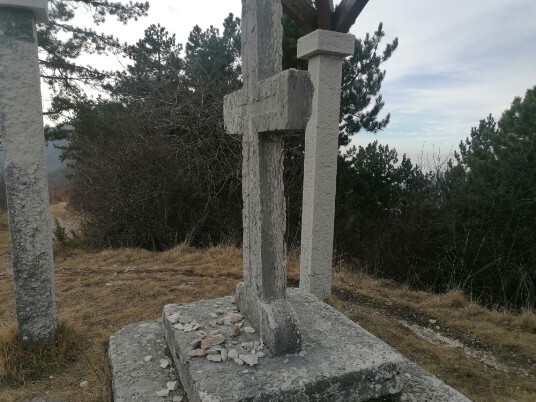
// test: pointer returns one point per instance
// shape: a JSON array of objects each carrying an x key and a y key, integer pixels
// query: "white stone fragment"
[
  {"x": 185, "y": 319},
  {"x": 239, "y": 361},
  {"x": 84, "y": 384},
  {"x": 249, "y": 330},
  {"x": 224, "y": 354},
  {"x": 163, "y": 393},
  {"x": 260, "y": 354},
  {"x": 180, "y": 327},
  {"x": 177, "y": 398},
  {"x": 212, "y": 340},
  {"x": 172, "y": 385},
  {"x": 249, "y": 359},
  {"x": 214, "y": 358},
  {"x": 164, "y": 363},
  {"x": 148, "y": 358},
  {"x": 173, "y": 318},
  {"x": 197, "y": 353},
  {"x": 233, "y": 354}
]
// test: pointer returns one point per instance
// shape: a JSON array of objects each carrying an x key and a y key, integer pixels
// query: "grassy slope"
[{"x": 103, "y": 291}]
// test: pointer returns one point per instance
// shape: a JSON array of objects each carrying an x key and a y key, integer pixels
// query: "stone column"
[
  {"x": 325, "y": 51},
  {"x": 21, "y": 128}
]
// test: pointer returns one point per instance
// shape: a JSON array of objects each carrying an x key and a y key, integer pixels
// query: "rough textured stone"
[
  {"x": 38, "y": 7},
  {"x": 133, "y": 379},
  {"x": 21, "y": 129},
  {"x": 270, "y": 102},
  {"x": 343, "y": 361},
  {"x": 325, "y": 51}
]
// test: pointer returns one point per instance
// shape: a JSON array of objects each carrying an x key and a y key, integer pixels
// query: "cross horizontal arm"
[
  {"x": 302, "y": 13},
  {"x": 346, "y": 14},
  {"x": 279, "y": 103}
]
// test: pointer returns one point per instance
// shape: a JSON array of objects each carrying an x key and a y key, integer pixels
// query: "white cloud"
[{"x": 457, "y": 60}]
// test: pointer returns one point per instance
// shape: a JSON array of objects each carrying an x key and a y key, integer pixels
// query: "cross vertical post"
[
  {"x": 21, "y": 127},
  {"x": 325, "y": 51},
  {"x": 271, "y": 102}
]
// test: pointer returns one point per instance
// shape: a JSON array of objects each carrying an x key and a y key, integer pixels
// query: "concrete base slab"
[
  {"x": 339, "y": 361},
  {"x": 136, "y": 379},
  {"x": 137, "y": 356}
]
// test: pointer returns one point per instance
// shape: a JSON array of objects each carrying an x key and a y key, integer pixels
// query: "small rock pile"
[{"x": 214, "y": 344}]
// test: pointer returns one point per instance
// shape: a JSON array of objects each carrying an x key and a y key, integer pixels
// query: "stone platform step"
[
  {"x": 135, "y": 379},
  {"x": 142, "y": 368},
  {"x": 340, "y": 360}
]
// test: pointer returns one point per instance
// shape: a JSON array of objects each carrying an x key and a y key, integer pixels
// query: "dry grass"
[
  {"x": 100, "y": 292},
  {"x": 20, "y": 365}
]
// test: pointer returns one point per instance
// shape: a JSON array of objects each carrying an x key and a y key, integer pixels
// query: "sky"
[{"x": 457, "y": 61}]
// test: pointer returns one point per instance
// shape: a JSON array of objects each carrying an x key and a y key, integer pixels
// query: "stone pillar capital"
[
  {"x": 38, "y": 7},
  {"x": 326, "y": 42}
]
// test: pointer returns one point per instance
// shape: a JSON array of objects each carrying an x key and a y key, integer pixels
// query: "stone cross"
[
  {"x": 21, "y": 128},
  {"x": 270, "y": 103}
]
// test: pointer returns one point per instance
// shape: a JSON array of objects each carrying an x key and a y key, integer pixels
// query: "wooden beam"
[
  {"x": 346, "y": 14},
  {"x": 325, "y": 9},
  {"x": 302, "y": 13}
]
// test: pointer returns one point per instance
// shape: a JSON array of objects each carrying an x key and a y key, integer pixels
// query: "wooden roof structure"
[{"x": 324, "y": 16}]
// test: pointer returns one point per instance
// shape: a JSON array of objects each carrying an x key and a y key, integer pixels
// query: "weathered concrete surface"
[
  {"x": 421, "y": 386},
  {"x": 279, "y": 103},
  {"x": 133, "y": 377},
  {"x": 325, "y": 51},
  {"x": 341, "y": 361},
  {"x": 271, "y": 102},
  {"x": 21, "y": 128},
  {"x": 38, "y": 7}
]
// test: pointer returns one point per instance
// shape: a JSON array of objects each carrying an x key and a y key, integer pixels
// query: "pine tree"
[{"x": 61, "y": 44}]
